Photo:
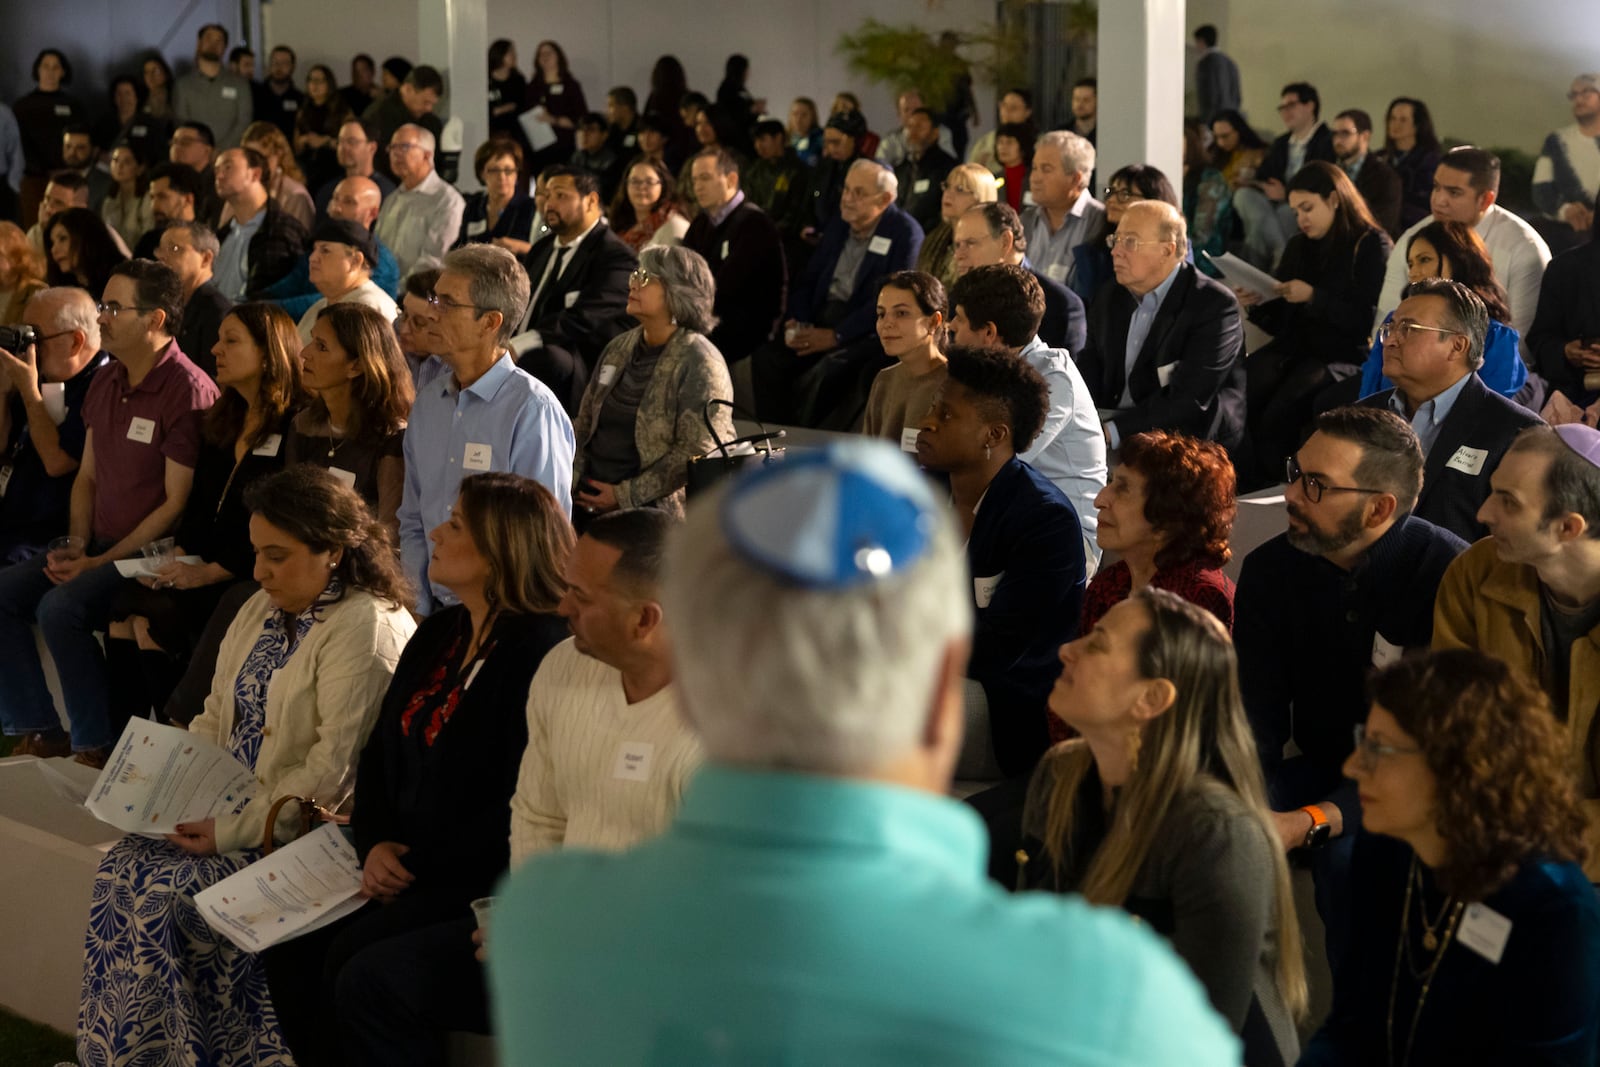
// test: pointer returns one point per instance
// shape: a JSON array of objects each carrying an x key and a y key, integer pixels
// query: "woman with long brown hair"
[
  {"x": 646, "y": 210},
  {"x": 1159, "y": 808},
  {"x": 1475, "y": 933},
  {"x": 1320, "y": 318}
]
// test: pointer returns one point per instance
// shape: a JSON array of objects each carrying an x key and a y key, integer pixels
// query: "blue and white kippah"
[{"x": 833, "y": 518}]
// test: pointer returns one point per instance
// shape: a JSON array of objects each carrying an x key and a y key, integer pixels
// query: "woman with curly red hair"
[{"x": 1476, "y": 935}]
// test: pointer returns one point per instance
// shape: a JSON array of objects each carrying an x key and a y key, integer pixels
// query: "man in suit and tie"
[
  {"x": 741, "y": 245},
  {"x": 1431, "y": 351},
  {"x": 991, "y": 234},
  {"x": 819, "y": 373},
  {"x": 1166, "y": 343},
  {"x": 579, "y": 272}
]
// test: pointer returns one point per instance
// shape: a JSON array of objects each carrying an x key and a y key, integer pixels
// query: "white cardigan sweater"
[{"x": 321, "y": 704}]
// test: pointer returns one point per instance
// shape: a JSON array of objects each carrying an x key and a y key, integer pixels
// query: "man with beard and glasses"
[{"x": 1348, "y": 587}]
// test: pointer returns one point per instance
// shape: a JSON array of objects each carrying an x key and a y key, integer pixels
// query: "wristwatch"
[{"x": 1321, "y": 830}]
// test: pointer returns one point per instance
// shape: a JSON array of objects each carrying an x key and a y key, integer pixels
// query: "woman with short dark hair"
[
  {"x": 503, "y": 212},
  {"x": 299, "y": 681},
  {"x": 1475, "y": 933},
  {"x": 646, "y": 410}
]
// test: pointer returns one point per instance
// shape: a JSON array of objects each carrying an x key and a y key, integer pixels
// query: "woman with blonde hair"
[
  {"x": 968, "y": 184},
  {"x": 284, "y": 181},
  {"x": 21, "y": 271},
  {"x": 1158, "y": 807}
]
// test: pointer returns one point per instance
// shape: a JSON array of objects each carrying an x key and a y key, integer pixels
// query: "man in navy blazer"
[
  {"x": 1166, "y": 343},
  {"x": 1024, "y": 549},
  {"x": 819, "y": 373},
  {"x": 1431, "y": 351},
  {"x": 990, "y": 234},
  {"x": 579, "y": 276}
]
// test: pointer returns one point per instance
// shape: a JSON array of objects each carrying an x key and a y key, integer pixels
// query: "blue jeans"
[{"x": 68, "y": 615}]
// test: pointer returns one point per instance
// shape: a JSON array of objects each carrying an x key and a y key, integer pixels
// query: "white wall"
[
  {"x": 615, "y": 42},
  {"x": 1494, "y": 72}
]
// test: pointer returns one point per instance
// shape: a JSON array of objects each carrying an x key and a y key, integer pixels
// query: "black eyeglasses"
[
  {"x": 115, "y": 309},
  {"x": 1313, "y": 486}
]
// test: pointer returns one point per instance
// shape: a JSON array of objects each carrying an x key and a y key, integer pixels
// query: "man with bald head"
[
  {"x": 420, "y": 219},
  {"x": 260, "y": 242},
  {"x": 1166, "y": 343},
  {"x": 354, "y": 199}
]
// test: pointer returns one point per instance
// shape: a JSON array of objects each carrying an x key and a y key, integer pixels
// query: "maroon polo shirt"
[{"x": 136, "y": 430}]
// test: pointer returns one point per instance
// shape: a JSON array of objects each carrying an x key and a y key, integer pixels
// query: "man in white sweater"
[
  {"x": 1464, "y": 190},
  {"x": 608, "y": 754}
]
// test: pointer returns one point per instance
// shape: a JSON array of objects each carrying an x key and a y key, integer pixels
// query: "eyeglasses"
[
  {"x": 400, "y": 146},
  {"x": 1313, "y": 486},
  {"x": 1289, "y": 105},
  {"x": 499, "y": 172},
  {"x": 1368, "y": 751},
  {"x": 446, "y": 304},
  {"x": 1121, "y": 194},
  {"x": 1576, "y": 93},
  {"x": 641, "y": 278},
  {"x": 643, "y": 183},
  {"x": 1400, "y": 332},
  {"x": 114, "y": 309},
  {"x": 1129, "y": 242},
  {"x": 848, "y": 193}
]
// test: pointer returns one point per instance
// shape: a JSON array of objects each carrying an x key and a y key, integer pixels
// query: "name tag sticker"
[
  {"x": 557, "y": 89},
  {"x": 63, "y": 110},
  {"x": 803, "y": 143},
  {"x": 908, "y": 439},
  {"x": 291, "y": 105},
  {"x": 608, "y": 374},
  {"x": 344, "y": 477},
  {"x": 477, "y": 457},
  {"x": 983, "y": 589},
  {"x": 230, "y": 93},
  {"x": 1384, "y": 652},
  {"x": 1027, "y": 198},
  {"x": 142, "y": 430},
  {"x": 920, "y": 185},
  {"x": 1056, "y": 272},
  {"x": 139, "y": 131},
  {"x": 633, "y": 761},
  {"x": 1485, "y": 931},
  {"x": 1164, "y": 374},
  {"x": 1468, "y": 460},
  {"x": 629, "y": 141},
  {"x": 724, "y": 250},
  {"x": 878, "y": 246},
  {"x": 269, "y": 447},
  {"x": 570, "y": 299},
  {"x": 476, "y": 227},
  {"x": 5, "y": 478}
]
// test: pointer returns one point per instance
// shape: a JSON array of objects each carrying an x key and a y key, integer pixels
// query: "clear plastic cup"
[
  {"x": 65, "y": 549},
  {"x": 159, "y": 553},
  {"x": 480, "y": 911}
]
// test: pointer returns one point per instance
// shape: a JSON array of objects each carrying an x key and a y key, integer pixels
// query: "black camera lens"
[{"x": 16, "y": 338}]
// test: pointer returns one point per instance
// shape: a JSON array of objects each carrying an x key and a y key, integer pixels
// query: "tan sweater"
[
  {"x": 598, "y": 772},
  {"x": 898, "y": 402}
]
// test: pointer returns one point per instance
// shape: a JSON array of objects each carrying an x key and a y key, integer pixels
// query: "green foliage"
[{"x": 909, "y": 57}]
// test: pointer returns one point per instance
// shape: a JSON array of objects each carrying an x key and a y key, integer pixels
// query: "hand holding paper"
[{"x": 159, "y": 776}]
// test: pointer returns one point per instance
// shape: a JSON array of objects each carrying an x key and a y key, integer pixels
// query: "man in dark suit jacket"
[
  {"x": 1166, "y": 343},
  {"x": 1378, "y": 183},
  {"x": 992, "y": 234},
  {"x": 819, "y": 373},
  {"x": 1569, "y": 315},
  {"x": 1433, "y": 348},
  {"x": 922, "y": 173},
  {"x": 744, "y": 251},
  {"x": 579, "y": 277}
]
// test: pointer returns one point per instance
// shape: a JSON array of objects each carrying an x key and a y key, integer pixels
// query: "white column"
[
  {"x": 453, "y": 35},
  {"x": 1141, "y": 73}
]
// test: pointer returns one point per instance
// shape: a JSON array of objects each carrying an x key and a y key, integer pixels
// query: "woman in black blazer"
[{"x": 432, "y": 817}]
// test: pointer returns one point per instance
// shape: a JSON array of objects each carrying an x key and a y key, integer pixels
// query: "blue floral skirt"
[{"x": 160, "y": 987}]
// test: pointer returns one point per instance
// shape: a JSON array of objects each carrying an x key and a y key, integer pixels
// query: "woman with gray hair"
[{"x": 645, "y": 411}]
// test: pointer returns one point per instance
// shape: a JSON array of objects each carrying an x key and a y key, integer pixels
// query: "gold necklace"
[
  {"x": 1451, "y": 917},
  {"x": 1430, "y": 937}
]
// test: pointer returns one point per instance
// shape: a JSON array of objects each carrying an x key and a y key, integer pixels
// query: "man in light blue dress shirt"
[
  {"x": 484, "y": 416},
  {"x": 818, "y": 899},
  {"x": 1063, "y": 211}
]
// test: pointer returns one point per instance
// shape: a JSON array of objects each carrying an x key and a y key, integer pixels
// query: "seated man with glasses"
[
  {"x": 1348, "y": 587},
  {"x": 142, "y": 419},
  {"x": 1432, "y": 351},
  {"x": 484, "y": 414},
  {"x": 1166, "y": 344}
]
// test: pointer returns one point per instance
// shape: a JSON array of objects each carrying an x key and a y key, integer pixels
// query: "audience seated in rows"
[
  {"x": 356, "y": 151},
  {"x": 260, "y": 243},
  {"x": 912, "y": 328},
  {"x": 355, "y": 200},
  {"x": 922, "y": 170},
  {"x": 1349, "y": 586},
  {"x": 340, "y": 264},
  {"x": 991, "y": 234},
  {"x": 660, "y": 395},
  {"x": 503, "y": 212},
  {"x": 1381, "y": 188},
  {"x": 1092, "y": 264},
  {"x": 190, "y": 250},
  {"x": 1411, "y": 148},
  {"x": 1064, "y": 211},
  {"x": 284, "y": 182},
  {"x": 420, "y": 220},
  {"x": 965, "y": 186},
  {"x": 819, "y": 815},
  {"x": 744, "y": 250},
  {"x": 411, "y": 103},
  {"x": 326, "y": 631},
  {"x": 1263, "y": 204}
]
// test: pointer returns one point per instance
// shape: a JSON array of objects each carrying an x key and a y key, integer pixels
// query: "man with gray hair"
[
  {"x": 190, "y": 249},
  {"x": 818, "y": 898},
  {"x": 42, "y": 387},
  {"x": 819, "y": 373},
  {"x": 1432, "y": 350},
  {"x": 486, "y": 415},
  {"x": 991, "y": 234},
  {"x": 421, "y": 218},
  {"x": 1064, "y": 212},
  {"x": 1166, "y": 343}
]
